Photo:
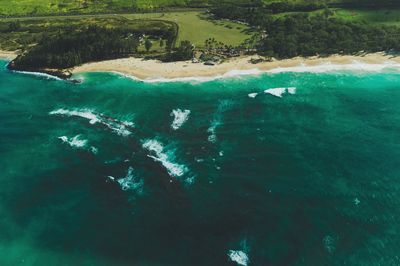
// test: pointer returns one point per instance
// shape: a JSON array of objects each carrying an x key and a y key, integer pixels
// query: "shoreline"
[
  {"x": 8, "y": 55},
  {"x": 156, "y": 71}
]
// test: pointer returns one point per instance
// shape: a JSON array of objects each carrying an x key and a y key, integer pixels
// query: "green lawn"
[
  {"x": 197, "y": 27},
  {"x": 380, "y": 16}
]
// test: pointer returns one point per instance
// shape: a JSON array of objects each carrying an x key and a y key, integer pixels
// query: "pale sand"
[
  {"x": 8, "y": 55},
  {"x": 155, "y": 70}
]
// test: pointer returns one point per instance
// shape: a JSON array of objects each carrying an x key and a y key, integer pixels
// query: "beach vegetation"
[{"x": 148, "y": 44}]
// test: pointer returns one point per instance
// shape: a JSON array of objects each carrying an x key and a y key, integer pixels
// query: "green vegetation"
[
  {"x": 373, "y": 16},
  {"x": 276, "y": 28},
  {"x": 31, "y": 31},
  {"x": 304, "y": 35},
  {"x": 73, "y": 48},
  {"x": 198, "y": 26},
  {"x": 194, "y": 26}
]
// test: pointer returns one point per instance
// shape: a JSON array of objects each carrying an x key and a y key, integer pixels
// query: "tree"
[
  {"x": 148, "y": 44},
  {"x": 185, "y": 51},
  {"x": 14, "y": 26},
  {"x": 161, "y": 43}
]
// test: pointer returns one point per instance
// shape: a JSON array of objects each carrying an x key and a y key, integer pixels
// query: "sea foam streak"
[
  {"x": 253, "y": 95},
  {"x": 278, "y": 92},
  {"x": 355, "y": 66},
  {"x": 165, "y": 158},
  {"x": 130, "y": 182},
  {"x": 37, "y": 74},
  {"x": 75, "y": 142},
  {"x": 120, "y": 127},
  {"x": 229, "y": 74},
  {"x": 180, "y": 117},
  {"x": 239, "y": 257},
  {"x": 217, "y": 120}
]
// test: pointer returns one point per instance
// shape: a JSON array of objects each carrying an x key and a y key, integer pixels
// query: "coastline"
[
  {"x": 152, "y": 70},
  {"x": 156, "y": 71},
  {"x": 8, "y": 55}
]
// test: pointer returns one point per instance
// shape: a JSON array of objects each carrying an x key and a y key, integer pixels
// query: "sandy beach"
[
  {"x": 155, "y": 70},
  {"x": 8, "y": 55}
]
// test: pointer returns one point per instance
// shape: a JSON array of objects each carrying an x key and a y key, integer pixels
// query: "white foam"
[
  {"x": 158, "y": 154},
  {"x": 93, "y": 119},
  {"x": 355, "y": 65},
  {"x": 180, "y": 117},
  {"x": 229, "y": 74},
  {"x": 212, "y": 130},
  {"x": 37, "y": 74},
  {"x": 278, "y": 92},
  {"x": 94, "y": 150},
  {"x": 253, "y": 95},
  {"x": 130, "y": 182},
  {"x": 291, "y": 90},
  {"x": 217, "y": 120},
  {"x": 301, "y": 68},
  {"x": 75, "y": 142},
  {"x": 239, "y": 257},
  {"x": 120, "y": 127}
]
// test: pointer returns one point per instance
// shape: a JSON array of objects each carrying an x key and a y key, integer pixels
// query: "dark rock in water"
[
  {"x": 75, "y": 81},
  {"x": 60, "y": 73}
]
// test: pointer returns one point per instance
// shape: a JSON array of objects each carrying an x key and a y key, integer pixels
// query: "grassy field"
[
  {"x": 380, "y": 16},
  {"x": 197, "y": 27},
  {"x": 193, "y": 26}
]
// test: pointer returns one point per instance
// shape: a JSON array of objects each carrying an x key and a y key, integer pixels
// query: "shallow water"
[{"x": 121, "y": 172}]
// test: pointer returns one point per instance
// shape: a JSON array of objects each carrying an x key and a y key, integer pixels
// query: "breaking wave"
[
  {"x": 278, "y": 92},
  {"x": 239, "y": 257},
  {"x": 158, "y": 154},
  {"x": 78, "y": 143},
  {"x": 122, "y": 128},
  {"x": 37, "y": 74},
  {"x": 74, "y": 142},
  {"x": 130, "y": 182},
  {"x": 180, "y": 117}
]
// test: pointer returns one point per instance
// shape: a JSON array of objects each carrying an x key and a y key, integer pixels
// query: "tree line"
[
  {"x": 307, "y": 35},
  {"x": 73, "y": 48}
]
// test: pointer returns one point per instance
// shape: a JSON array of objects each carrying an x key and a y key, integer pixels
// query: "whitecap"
[
  {"x": 75, "y": 142},
  {"x": 253, "y": 95},
  {"x": 291, "y": 90},
  {"x": 239, "y": 257},
  {"x": 93, "y": 119},
  {"x": 278, "y": 92},
  {"x": 180, "y": 117},
  {"x": 94, "y": 150},
  {"x": 212, "y": 130},
  {"x": 120, "y": 127},
  {"x": 131, "y": 182},
  {"x": 158, "y": 154}
]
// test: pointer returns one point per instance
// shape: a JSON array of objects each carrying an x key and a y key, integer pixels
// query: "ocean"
[{"x": 280, "y": 168}]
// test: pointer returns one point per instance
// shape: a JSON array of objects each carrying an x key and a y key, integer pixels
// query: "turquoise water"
[{"x": 110, "y": 172}]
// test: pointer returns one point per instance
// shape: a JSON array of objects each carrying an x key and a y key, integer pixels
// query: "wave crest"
[
  {"x": 159, "y": 154},
  {"x": 180, "y": 117},
  {"x": 120, "y": 127}
]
